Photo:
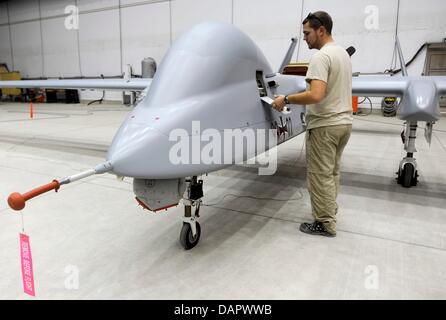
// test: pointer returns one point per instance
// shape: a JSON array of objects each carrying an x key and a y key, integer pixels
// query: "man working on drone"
[{"x": 329, "y": 119}]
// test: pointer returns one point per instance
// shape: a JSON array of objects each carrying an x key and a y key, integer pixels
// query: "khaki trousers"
[{"x": 324, "y": 148}]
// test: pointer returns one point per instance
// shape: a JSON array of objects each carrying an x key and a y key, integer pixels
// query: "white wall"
[
  {"x": 60, "y": 51},
  {"x": 145, "y": 33},
  {"x": 52, "y": 8},
  {"x": 113, "y": 33},
  {"x": 187, "y": 13},
  {"x": 3, "y": 12},
  {"x": 271, "y": 24},
  {"x": 27, "y": 48},
  {"x": 5, "y": 48},
  {"x": 23, "y": 10},
  {"x": 100, "y": 46}
]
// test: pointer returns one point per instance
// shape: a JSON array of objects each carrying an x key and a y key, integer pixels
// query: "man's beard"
[{"x": 315, "y": 45}]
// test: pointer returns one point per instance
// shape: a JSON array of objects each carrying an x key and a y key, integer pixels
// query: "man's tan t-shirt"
[{"x": 332, "y": 65}]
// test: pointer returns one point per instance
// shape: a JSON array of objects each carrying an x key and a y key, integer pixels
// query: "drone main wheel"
[
  {"x": 187, "y": 239},
  {"x": 406, "y": 177}
]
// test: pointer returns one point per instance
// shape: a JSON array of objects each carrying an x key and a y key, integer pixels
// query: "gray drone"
[{"x": 213, "y": 79}]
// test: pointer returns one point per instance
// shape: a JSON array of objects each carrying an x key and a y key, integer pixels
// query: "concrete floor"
[{"x": 391, "y": 241}]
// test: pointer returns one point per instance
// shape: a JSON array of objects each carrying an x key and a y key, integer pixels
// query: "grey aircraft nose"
[{"x": 136, "y": 149}]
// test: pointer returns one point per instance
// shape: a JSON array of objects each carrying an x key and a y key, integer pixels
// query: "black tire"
[
  {"x": 399, "y": 179},
  {"x": 415, "y": 179},
  {"x": 408, "y": 172},
  {"x": 187, "y": 240}
]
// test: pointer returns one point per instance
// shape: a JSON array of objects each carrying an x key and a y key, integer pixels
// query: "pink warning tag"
[{"x": 27, "y": 265}]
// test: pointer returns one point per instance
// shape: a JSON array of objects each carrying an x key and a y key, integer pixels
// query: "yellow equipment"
[{"x": 15, "y": 75}]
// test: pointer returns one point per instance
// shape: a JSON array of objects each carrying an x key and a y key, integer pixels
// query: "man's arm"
[{"x": 315, "y": 95}]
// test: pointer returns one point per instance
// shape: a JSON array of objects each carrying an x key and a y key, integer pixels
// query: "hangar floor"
[{"x": 391, "y": 241}]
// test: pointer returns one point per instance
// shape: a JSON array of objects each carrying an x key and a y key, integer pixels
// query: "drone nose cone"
[{"x": 134, "y": 149}]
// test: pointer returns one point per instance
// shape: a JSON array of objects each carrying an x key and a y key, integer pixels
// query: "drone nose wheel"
[{"x": 187, "y": 239}]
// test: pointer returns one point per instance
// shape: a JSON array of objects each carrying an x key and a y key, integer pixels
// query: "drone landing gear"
[
  {"x": 407, "y": 171},
  {"x": 191, "y": 230}
]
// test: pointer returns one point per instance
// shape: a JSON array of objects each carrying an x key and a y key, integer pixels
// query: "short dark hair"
[{"x": 319, "y": 19}]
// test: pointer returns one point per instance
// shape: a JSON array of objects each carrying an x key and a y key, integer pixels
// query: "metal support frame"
[
  {"x": 191, "y": 207},
  {"x": 409, "y": 145}
]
